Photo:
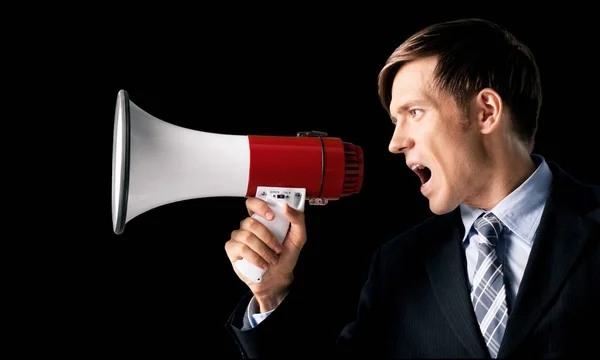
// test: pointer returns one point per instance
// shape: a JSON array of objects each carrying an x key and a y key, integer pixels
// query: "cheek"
[
  {"x": 448, "y": 146},
  {"x": 452, "y": 158}
]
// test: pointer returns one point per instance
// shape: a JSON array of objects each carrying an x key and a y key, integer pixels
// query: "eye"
[{"x": 415, "y": 112}]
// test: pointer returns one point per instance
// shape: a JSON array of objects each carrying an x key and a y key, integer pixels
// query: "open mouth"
[{"x": 423, "y": 172}]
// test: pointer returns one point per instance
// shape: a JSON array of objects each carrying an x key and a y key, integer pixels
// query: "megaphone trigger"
[{"x": 276, "y": 198}]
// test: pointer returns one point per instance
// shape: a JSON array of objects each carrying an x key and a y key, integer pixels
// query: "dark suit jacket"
[{"x": 416, "y": 302}]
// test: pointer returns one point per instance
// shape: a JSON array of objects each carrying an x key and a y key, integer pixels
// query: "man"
[{"x": 509, "y": 264}]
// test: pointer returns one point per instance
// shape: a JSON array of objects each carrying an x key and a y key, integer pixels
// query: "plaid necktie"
[{"x": 488, "y": 295}]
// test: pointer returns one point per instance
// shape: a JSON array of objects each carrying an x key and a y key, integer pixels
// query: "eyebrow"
[
  {"x": 411, "y": 103},
  {"x": 424, "y": 98}
]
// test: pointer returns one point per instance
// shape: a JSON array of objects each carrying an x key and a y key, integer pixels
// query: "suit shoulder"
[
  {"x": 594, "y": 213},
  {"x": 583, "y": 198}
]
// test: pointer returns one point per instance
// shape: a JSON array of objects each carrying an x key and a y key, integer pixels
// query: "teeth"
[{"x": 417, "y": 166}]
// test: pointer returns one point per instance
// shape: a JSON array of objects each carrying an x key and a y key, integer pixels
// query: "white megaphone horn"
[{"x": 157, "y": 163}]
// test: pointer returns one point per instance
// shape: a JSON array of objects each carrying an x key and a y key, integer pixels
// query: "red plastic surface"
[{"x": 287, "y": 161}]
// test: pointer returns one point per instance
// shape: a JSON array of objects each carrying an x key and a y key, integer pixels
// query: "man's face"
[{"x": 433, "y": 134}]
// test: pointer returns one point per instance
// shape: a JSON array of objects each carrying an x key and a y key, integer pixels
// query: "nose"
[{"x": 400, "y": 141}]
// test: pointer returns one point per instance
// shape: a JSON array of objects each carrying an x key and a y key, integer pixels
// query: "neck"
[{"x": 503, "y": 172}]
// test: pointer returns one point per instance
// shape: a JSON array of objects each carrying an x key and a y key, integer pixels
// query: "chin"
[
  {"x": 441, "y": 210},
  {"x": 441, "y": 207}
]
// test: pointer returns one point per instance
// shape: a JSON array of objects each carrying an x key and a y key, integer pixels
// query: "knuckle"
[
  {"x": 252, "y": 223},
  {"x": 232, "y": 245},
  {"x": 253, "y": 203},
  {"x": 247, "y": 223},
  {"x": 245, "y": 237},
  {"x": 265, "y": 207},
  {"x": 253, "y": 257}
]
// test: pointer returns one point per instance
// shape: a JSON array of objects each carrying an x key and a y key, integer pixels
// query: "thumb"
[
  {"x": 297, "y": 232},
  {"x": 294, "y": 216}
]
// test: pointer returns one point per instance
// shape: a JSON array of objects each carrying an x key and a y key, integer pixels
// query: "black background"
[{"x": 165, "y": 285}]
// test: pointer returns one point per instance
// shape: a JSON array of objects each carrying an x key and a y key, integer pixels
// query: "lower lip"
[{"x": 426, "y": 188}]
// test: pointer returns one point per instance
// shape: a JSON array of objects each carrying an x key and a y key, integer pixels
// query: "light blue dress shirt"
[{"x": 520, "y": 212}]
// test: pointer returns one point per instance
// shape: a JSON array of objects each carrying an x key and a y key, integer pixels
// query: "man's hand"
[{"x": 254, "y": 242}]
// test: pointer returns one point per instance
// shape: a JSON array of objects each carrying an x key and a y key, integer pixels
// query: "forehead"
[{"x": 413, "y": 81}]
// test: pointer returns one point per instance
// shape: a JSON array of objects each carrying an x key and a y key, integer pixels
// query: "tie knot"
[{"x": 489, "y": 227}]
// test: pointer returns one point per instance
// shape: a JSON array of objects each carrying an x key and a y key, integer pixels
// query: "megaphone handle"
[{"x": 279, "y": 226}]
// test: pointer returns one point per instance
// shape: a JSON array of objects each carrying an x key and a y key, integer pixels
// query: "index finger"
[{"x": 260, "y": 207}]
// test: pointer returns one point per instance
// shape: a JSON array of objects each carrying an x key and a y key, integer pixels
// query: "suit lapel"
[
  {"x": 449, "y": 281},
  {"x": 561, "y": 238}
]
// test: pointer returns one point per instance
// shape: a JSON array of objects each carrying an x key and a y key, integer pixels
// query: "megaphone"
[{"x": 157, "y": 163}]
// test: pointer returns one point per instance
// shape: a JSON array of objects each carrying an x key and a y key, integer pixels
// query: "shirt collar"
[{"x": 521, "y": 209}]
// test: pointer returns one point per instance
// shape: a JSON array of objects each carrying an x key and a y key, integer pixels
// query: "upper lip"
[{"x": 412, "y": 164}]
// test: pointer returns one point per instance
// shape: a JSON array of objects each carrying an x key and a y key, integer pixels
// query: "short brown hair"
[{"x": 474, "y": 54}]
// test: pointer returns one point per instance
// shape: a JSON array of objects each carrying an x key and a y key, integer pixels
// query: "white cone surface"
[{"x": 169, "y": 163}]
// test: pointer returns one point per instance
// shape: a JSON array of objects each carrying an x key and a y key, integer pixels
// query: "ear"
[{"x": 488, "y": 110}]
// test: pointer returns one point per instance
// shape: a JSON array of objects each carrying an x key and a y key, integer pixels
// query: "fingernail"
[
  {"x": 269, "y": 215},
  {"x": 277, "y": 248}
]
